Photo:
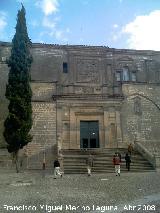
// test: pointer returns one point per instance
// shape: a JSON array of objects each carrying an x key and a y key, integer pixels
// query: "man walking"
[
  {"x": 89, "y": 163},
  {"x": 57, "y": 169},
  {"x": 128, "y": 161},
  {"x": 130, "y": 148}
]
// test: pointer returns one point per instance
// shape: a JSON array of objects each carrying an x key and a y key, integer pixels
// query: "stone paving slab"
[{"x": 36, "y": 191}]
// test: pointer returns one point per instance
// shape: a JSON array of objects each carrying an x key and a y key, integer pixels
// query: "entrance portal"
[{"x": 89, "y": 134}]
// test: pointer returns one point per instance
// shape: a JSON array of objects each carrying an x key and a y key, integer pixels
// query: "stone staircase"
[{"x": 75, "y": 161}]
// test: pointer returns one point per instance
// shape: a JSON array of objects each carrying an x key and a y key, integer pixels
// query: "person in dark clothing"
[
  {"x": 56, "y": 163},
  {"x": 128, "y": 161},
  {"x": 57, "y": 169}
]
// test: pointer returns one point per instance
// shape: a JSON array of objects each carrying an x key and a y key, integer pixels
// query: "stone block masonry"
[
  {"x": 119, "y": 89},
  {"x": 142, "y": 126},
  {"x": 43, "y": 131}
]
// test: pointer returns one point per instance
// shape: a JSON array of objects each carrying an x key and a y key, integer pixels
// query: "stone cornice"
[{"x": 89, "y": 48}]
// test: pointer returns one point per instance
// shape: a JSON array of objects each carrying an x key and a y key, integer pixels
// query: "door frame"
[
  {"x": 88, "y": 136},
  {"x": 75, "y": 135}
]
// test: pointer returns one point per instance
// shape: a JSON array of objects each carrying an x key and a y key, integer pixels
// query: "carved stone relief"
[
  {"x": 125, "y": 62},
  {"x": 42, "y": 91},
  {"x": 78, "y": 90},
  {"x": 87, "y": 90},
  {"x": 87, "y": 70}
]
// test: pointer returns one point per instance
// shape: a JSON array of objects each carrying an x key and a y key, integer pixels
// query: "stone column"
[
  {"x": 74, "y": 128},
  {"x": 106, "y": 128},
  {"x": 118, "y": 127}
]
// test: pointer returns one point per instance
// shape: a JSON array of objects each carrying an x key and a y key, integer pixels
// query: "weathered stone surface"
[
  {"x": 44, "y": 124},
  {"x": 43, "y": 146},
  {"x": 120, "y": 89},
  {"x": 145, "y": 126},
  {"x": 3, "y": 80},
  {"x": 42, "y": 91}
]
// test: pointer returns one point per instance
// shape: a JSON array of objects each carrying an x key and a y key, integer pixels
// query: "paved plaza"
[{"x": 36, "y": 191}]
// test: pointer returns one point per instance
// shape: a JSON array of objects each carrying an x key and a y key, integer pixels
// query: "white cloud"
[
  {"x": 81, "y": 40},
  {"x": 144, "y": 31},
  {"x": 115, "y": 37},
  {"x": 48, "y": 23},
  {"x": 59, "y": 35},
  {"x": 52, "y": 30},
  {"x": 55, "y": 34},
  {"x": 115, "y": 26},
  {"x": 3, "y": 24},
  {"x": 3, "y": 21},
  {"x": 34, "y": 23},
  {"x": 68, "y": 30},
  {"x": 48, "y": 6},
  {"x": 21, "y": 1}
]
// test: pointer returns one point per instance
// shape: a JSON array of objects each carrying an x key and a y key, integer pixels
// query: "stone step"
[
  {"x": 97, "y": 158},
  {"x": 105, "y": 172},
  {"x": 100, "y": 160},
  {"x": 105, "y": 165},
  {"x": 96, "y": 151},
  {"x": 105, "y": 169},
  {"x": 75, "y": 161}
]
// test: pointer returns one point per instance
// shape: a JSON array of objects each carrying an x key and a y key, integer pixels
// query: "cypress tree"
[{"x": 19, "y": 120}]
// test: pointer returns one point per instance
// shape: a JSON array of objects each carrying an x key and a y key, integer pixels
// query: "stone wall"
[
  {"x": 43, "y": 146},
  {"x": 47, "y": 63},
  {"x": 141, "y": 122},
  {"x": 4, "y": 54},
  {"x": 91, "y": 76},
  {"x": 43, "y": 130}
]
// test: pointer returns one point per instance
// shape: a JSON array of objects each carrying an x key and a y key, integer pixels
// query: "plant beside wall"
[{"x": 18, "y": 91}]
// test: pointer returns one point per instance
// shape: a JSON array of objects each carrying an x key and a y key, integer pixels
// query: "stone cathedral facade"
[{"x": 89, "y": 97}]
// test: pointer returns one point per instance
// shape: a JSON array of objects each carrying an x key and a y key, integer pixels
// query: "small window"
[
  {"x": 65, "y": 67},
  {"x": 125, "y": 74},
  {"x": 133, "y": 76},
  {"x": 118, "y": 76}
]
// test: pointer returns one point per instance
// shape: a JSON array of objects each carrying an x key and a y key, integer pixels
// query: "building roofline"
[{"x": 72, "y": 47}]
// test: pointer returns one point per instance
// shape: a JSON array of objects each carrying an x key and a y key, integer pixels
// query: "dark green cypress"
[{"x": 18, "y": 92}]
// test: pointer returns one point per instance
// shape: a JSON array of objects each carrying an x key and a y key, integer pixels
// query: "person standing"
[
  {"x": 57, "y": 169},
  {"x": 130, "y": 148},
  {"x": 89, "y": 163},
  {"x": 117, "y": 162},
  {"x": 128, "y": 161}
]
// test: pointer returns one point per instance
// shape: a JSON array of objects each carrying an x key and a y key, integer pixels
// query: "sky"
[{"x": 126, "y": 24}]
